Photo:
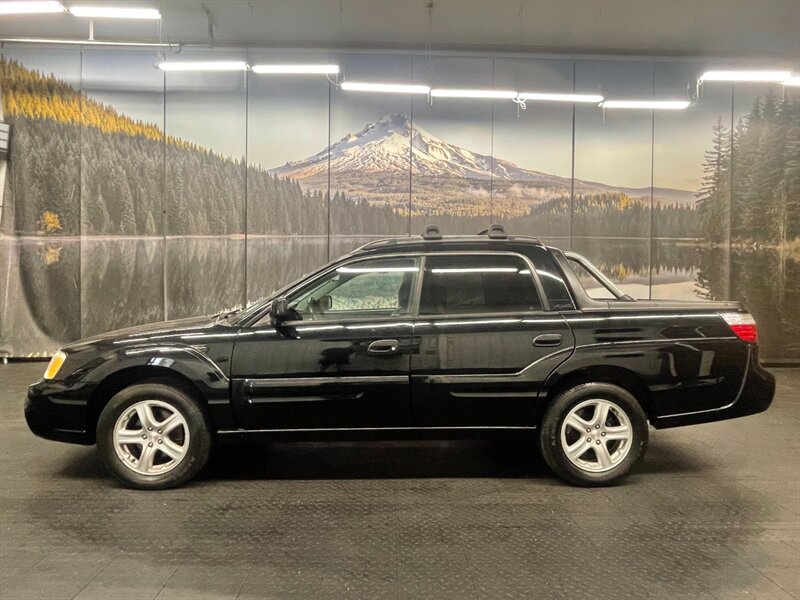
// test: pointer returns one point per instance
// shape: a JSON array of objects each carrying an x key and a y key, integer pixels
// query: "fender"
[
  {"x": 187, "y": 362},
  {"x": 666, "y": 376}
]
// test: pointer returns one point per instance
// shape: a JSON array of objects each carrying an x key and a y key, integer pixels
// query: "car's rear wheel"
[
  {"x": 593, "y": 434},
  {"x": 153, "y": 436}
]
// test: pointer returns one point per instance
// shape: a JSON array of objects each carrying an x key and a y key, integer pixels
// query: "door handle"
[
  {"x": 383, "y": 347},
  {"x": 547, "y": 339}
]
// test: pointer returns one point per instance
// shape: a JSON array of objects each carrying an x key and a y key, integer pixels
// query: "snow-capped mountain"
[{"x": 382, "y": 148}]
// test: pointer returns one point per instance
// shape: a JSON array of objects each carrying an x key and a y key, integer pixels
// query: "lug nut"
[
  {"x": 598, "y": 443},
  {"x": 159, "y": 431},
  {"x": 588, "y": 430},
  {"x": 144, "y": 437},
  {"x": 160, "y": 441},
  {"x": 149, "y": 429},
  {"x": 150, "y": 444},
  {"x": 589, "y": 440},
  {"x": 603, "y": 434},
  {"x": 597, "y": 426}
]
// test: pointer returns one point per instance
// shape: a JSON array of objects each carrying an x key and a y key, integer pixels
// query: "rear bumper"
[
  {"x": 755, "y": 396},
  {"x": 58, "y": 411}
]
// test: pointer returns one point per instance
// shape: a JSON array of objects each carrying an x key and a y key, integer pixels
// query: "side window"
[
  {"x": 593, "y": 286},
  {"x": 376, "y": 287},
  {"x": 552, "y": 280},
  {"x": 477, "y": 283}
]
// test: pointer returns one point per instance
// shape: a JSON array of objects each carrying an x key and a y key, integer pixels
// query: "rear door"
[{"x": 486, "y": 341}]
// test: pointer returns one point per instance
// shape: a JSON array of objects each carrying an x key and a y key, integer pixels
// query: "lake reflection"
[
  {"x": 668, "y": 270},
  {"x": 60, "y": 290}
]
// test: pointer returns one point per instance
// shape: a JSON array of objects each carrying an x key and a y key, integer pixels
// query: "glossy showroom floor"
[{"x": 714, "y": 512}]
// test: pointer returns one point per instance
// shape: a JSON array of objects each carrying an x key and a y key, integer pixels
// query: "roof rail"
[
  {"x": 495, "y": 232},
  {"x": 432, "y": 232}
]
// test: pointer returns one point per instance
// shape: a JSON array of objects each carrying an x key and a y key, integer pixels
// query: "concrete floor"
[{"x": 713, "y": 512}]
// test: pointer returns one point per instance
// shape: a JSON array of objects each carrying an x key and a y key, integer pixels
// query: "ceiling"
[{"x": 754, "y": 29}]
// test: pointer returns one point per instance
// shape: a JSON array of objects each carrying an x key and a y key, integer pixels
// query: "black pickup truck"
[{"x": 422, "y": 336}]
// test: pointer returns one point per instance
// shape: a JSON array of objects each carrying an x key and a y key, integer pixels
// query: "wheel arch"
[
  {"x": 613, "y": 374},
  {"x": 116, "y": 381}
]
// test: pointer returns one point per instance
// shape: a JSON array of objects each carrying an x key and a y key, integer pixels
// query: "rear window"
[
  {"x": 593, "y": 286},
  {"x": 457, "y": 284}
]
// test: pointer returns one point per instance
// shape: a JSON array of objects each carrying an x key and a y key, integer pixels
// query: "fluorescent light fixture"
[
  {"x": 212, "y": 65},
  {"x": 392, "y": 88},
  {"x": 295, "y": 69},
  {"x": 755, "y": 76},
  {"x": 650, "y": 104},
  {"x": 30, "y": 7},
  {"x": 377, "y": 269},
  {"x": 476, "y": 322},
  {"x": 794, "y": 80},
  {"x": 487, "y": 94},
  {"x": 593, "y": 98},
  {"x": 114, "y": 12},
  {"x": 478, "y": 270}
]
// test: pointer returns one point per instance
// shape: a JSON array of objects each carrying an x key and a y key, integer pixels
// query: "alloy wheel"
[
  {"x": 596, "y": 435},
  {"x": 151, "y": 437}
]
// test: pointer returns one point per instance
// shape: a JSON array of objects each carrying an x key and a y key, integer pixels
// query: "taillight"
[{"x": 743, "y": 325}]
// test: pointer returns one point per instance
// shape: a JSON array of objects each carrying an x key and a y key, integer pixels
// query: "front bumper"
[
  {"x": 755, "y": 397},
  {"x": 59, "y": 411}
]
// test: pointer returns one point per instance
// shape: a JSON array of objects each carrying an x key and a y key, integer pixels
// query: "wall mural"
[{"x": 134, "y": 196}]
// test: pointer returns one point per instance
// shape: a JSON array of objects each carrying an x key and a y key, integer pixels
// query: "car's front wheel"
[
  {"x": 153, "y": 436},
  {"x": 593, "y": 434}
]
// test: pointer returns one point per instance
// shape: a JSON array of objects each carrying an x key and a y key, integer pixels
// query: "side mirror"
[
  {"x": 279, "y": 310},
  {"x": 325, "y": 303}
]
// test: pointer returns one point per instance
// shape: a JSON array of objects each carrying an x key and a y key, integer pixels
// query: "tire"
[
  {"x": 577, "y": 456},
  {"x": 153, "y": 436}
]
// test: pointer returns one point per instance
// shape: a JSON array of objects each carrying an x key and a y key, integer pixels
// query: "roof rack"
[
  {"x": 495, "y": 232},
  {"x": 432, "y": 232}
]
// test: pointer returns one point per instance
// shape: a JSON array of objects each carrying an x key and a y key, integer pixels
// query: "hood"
[{"x": 162, "y": 329}]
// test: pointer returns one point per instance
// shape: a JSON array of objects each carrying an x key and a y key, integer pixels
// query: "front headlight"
[{"x": 54, "y": 365}]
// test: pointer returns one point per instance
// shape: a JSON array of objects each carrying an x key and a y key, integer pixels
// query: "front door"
[
  {"x": 341, "y": 360},
  {"x": 486, "y": 344}
]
